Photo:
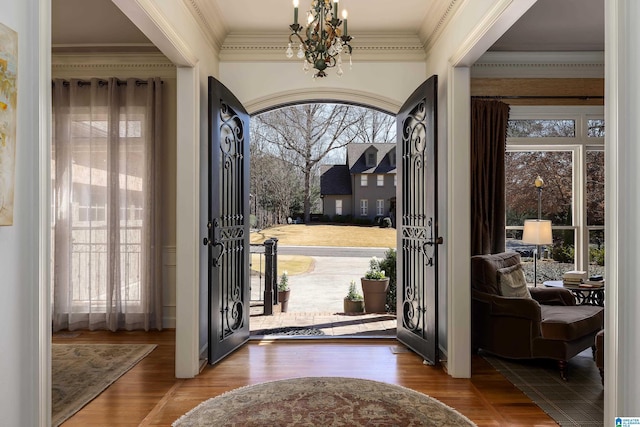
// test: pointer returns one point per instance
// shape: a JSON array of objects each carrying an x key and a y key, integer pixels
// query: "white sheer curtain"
[{"x": 106, "y": 235}]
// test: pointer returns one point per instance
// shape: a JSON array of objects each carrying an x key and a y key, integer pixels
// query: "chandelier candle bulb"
[
  {"x": 295, "y": 11},
  {"x": 335, "y": 9},
  {"x": 344, "y": 17}
]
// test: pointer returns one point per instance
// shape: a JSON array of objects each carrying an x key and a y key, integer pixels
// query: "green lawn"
[
  {"x": 292, "y": 264},
  {"x": 329, "y": 235}
]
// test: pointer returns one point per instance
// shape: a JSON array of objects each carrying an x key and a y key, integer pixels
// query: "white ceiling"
[{"x": 550, "y": 25}]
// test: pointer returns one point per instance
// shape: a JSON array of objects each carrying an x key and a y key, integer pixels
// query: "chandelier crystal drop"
[{"x": 324, "y": 38}]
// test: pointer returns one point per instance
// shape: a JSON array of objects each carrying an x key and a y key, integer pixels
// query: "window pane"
[
  {"x": 595, "y": 188},
  {"x": 521, "y": 170},
  {"x": 596, "y": 252},
  {"x": 541, "y": 129},
  {"x": 595, "y": 128}
]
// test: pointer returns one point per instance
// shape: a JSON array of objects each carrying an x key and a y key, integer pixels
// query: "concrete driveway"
[{"x": 324, "y": 287}]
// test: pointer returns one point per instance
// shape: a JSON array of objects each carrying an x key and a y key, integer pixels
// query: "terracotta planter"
[
  {"x": 375, "y": 294},
  {"x": 283, "y": 299},
  {"x": 353, "y": 306}
]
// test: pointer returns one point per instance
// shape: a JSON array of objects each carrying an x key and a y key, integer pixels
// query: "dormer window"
[
  {"x": 371, "y": 159},
  {"x": 392, "y": 157}
]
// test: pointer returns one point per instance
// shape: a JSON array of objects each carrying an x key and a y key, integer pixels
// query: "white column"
[
  {"x": 459, "y": 223},
  {"x": 188, "y": 235},
  {"x": 622, "y": 156}
]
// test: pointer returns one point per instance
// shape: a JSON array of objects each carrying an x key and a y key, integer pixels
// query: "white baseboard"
[{"x": 169, "y": 287}]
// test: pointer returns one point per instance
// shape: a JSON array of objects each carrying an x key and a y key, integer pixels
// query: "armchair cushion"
[
  {"x": 484, "y": 267},
  {"x": 553, "y": 296},
  {"x": 560, "y": 323},
  {"x": 512, "y": 282}
]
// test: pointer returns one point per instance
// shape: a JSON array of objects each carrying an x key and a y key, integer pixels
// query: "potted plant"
[
  {"x": 374, "y": 287},
  {"x": 283, "y": 292},
  {"x": 353, "y": 302}
]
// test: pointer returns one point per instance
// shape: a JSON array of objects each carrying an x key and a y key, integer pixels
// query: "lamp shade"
[{"x": 537, "y": 232}]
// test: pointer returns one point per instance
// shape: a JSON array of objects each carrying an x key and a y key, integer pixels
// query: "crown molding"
[
  {"x": 208, "y": 16},
  {"x": 150, "y": 19},
  {"x": 539, "y": 64},
  {"x": 112, "y": 64},
  {"x": 270, "y": 47},
  {"x": 436, "y": 20}
]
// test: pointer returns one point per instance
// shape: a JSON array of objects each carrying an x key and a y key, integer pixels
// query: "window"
[
  {"x": 392, "y": 157},
  {"x": 364, "y": 180},
  {"x": 380, "y": 180},
  {"x": 371, "y": 159},
  {"x": 364, "y": 207},
  {"x": 565, "y": 146},
  {"x": 104, "y": 185},
  {"x": 338, "y": 207},
  {"x": 380, "y": 207}
]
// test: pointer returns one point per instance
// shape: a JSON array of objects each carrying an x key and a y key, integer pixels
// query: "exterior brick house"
[{"x": 364, "y": 187}]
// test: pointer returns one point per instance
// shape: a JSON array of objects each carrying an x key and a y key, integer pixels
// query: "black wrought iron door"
[
  {"x": 418, "y": 249},
  {"x": 228, "y": 222}
]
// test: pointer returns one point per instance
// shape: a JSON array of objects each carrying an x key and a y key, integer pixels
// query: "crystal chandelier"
[{"x": 323, "y": 41}]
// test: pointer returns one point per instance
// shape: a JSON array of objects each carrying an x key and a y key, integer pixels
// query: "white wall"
[
  {"x": 622, "y": 176},
  {"x": 21, "y": 358},
  {"x": 260, "y": 85}
]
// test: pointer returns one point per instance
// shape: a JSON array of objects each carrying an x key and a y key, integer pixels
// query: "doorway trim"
[
  {"x": 324, "y": 95},
  {"x": 151, "y": 21}
]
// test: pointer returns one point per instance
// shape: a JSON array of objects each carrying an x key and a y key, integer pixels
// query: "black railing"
[{"x": 264, "y": 286}]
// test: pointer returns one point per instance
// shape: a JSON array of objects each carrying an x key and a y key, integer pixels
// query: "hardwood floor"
[{"x": 149, "y": 395}]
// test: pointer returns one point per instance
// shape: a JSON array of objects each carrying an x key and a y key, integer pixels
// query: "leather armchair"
[{"x": 547, "y": 325}]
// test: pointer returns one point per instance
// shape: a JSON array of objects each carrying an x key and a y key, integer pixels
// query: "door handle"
[
  {"x": 431, "y": 242},
  {"x": 212, "y": 242}
]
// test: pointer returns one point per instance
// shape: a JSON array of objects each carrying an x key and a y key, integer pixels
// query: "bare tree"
[
  {"x": 304, "y": 134},
  {"x": 556, "y": 168},
  {"x": 274, "y": 188},
  {"x": 374, "y": 127}
]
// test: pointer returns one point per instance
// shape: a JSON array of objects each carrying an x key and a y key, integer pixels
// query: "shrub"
[
  {"x": 386, "y": 222},
  {"x": 563, "y": 253},
  {"x": 361, "y": 221},
  {"x": 596, "y": 256},
  {"x": 389, "y": 266}
]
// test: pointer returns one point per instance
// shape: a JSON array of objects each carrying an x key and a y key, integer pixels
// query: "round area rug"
[{"x": 323, "y": 401}]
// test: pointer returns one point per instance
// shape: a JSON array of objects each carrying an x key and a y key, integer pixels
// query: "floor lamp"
[{"x": 537, "y": 232}]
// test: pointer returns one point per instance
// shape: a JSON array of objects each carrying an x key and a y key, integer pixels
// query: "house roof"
[
  {"x": 335, "y": 179},
  {"x": 356, "y": 159}
]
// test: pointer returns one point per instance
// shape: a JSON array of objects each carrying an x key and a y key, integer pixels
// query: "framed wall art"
[{"x": 8, "y": 108}]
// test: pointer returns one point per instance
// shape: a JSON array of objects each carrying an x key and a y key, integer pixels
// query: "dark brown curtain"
[{"x": 488, "y": 141}]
